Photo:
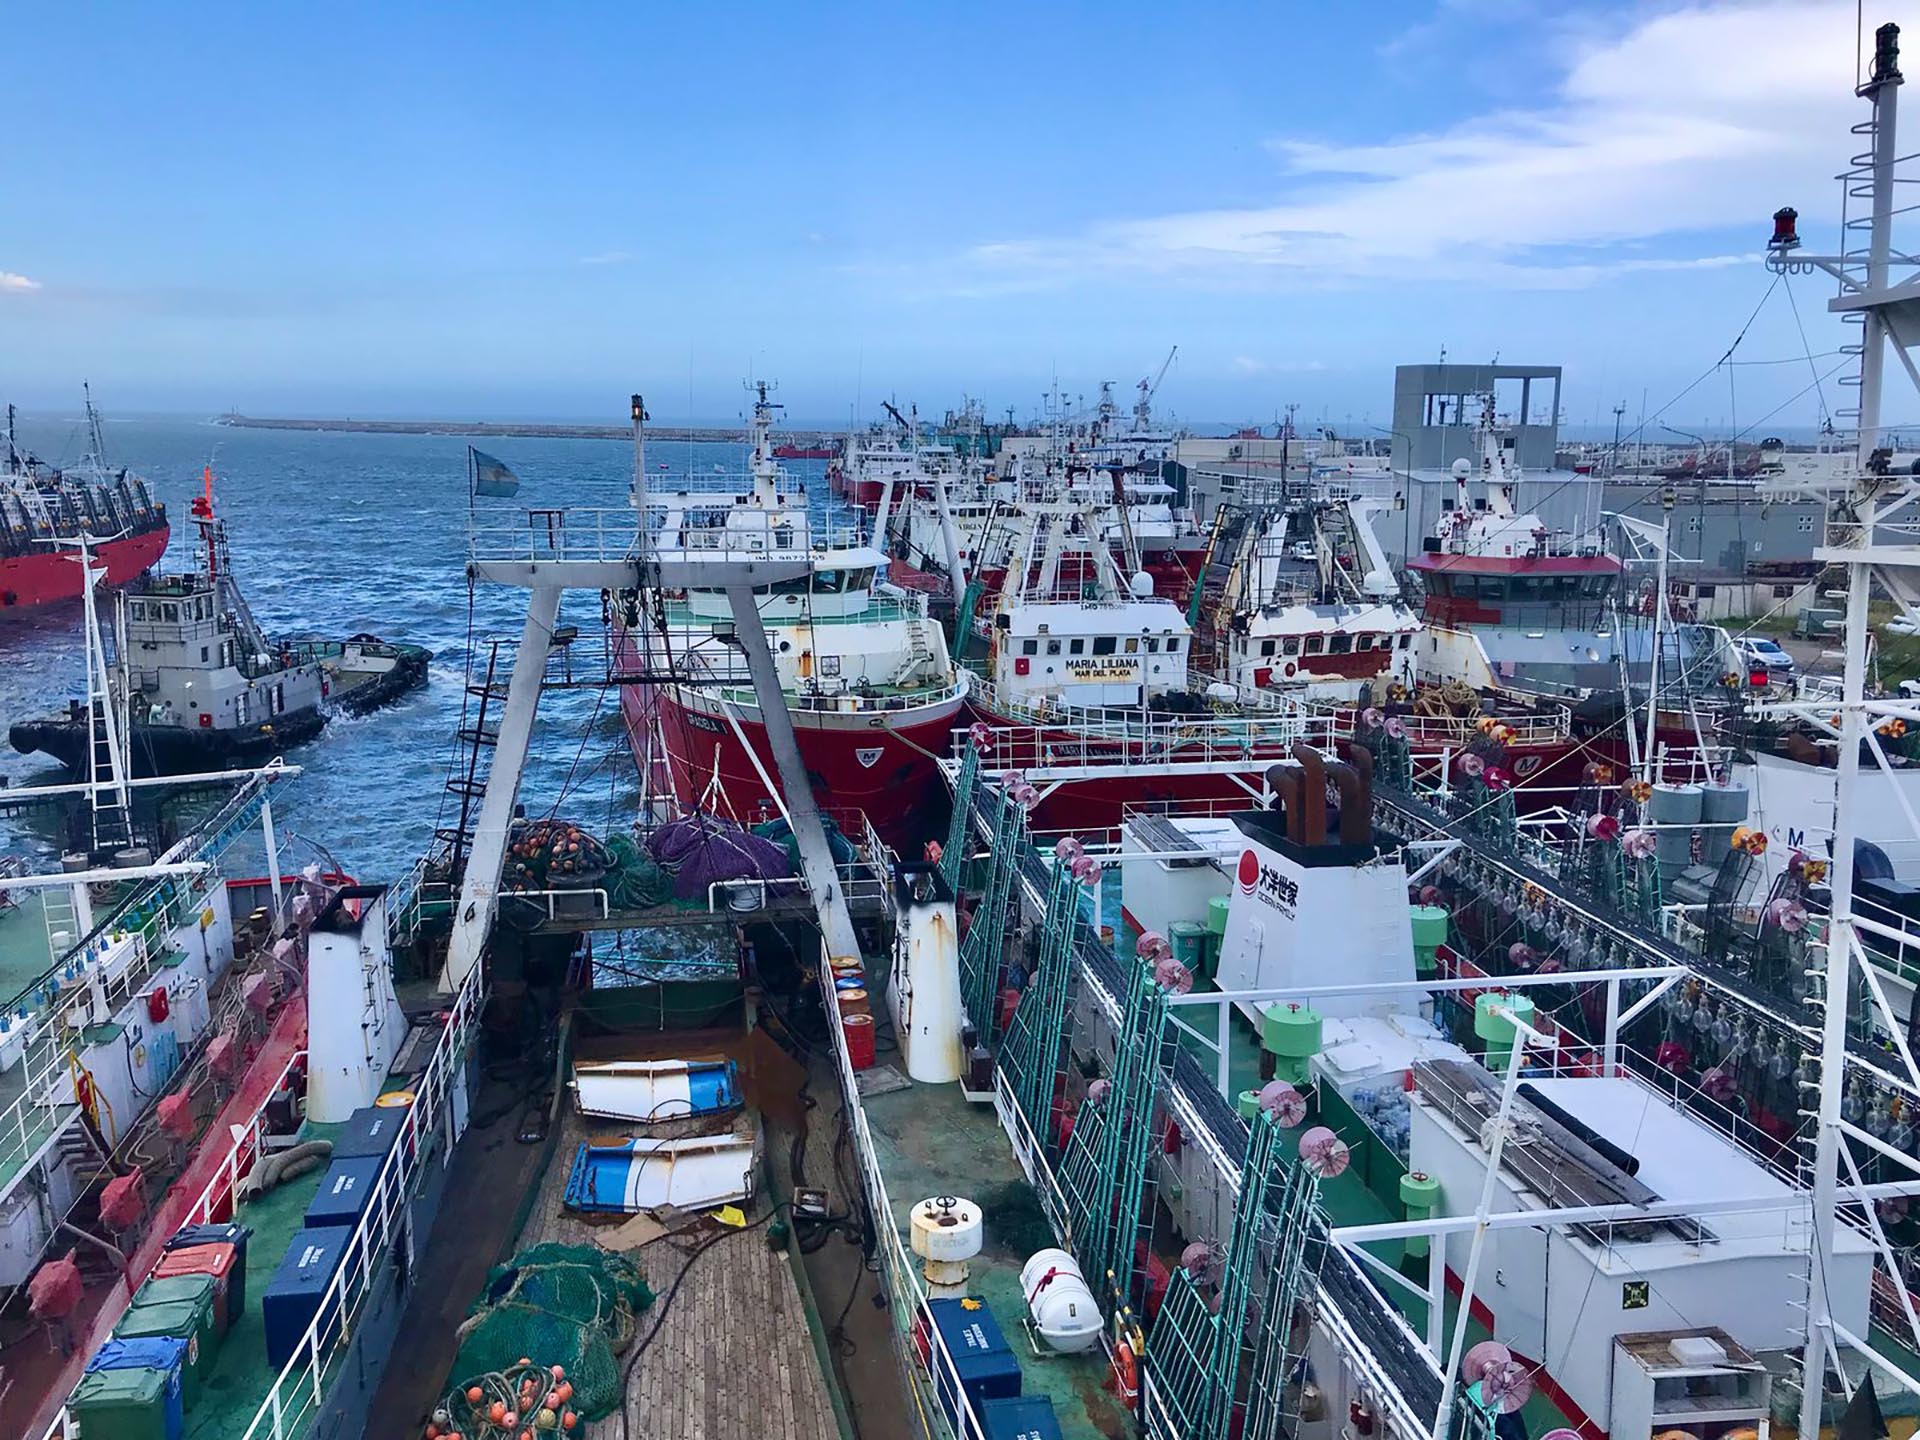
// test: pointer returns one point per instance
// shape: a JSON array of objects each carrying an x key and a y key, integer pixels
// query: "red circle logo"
[{"x": 1249, "y": 875}]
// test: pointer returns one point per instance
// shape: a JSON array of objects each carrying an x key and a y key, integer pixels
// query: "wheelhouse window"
[
  {"x": 1316, "y": 644},
  {"x": 1340, "y": 644},
  {"x": 1266, "y": 647},
  {"x": 1103, "y": 644},
  {"x": 1076, "y": 646},
  {"x": 1029, "y": 647}
]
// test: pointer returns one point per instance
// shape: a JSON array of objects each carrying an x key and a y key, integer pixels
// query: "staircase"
[
  {"x": 472, "y": 758},
  {"x": 920, "y": 654},
  {"x": 1214, "y": 586},
  {"x": 112, "y": 825},
  {"x": 62, "y": 921}
]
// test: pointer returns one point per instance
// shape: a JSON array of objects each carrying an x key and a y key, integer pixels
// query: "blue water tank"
[
  {"x": 1028, "y": 1417},
  {"x": 985, "y": 1364},
  {"x": 294, "y": 1295}
]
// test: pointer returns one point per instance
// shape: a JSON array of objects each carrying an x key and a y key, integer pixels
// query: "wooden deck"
[{"x": 727, "y": 1352}]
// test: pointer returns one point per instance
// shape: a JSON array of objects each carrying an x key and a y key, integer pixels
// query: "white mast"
[{"x": 1871, "y": 536}]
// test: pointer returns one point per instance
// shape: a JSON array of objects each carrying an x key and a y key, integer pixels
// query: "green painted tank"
[
  {"x": 1497, "y": 1030},
  {"x": 1429, "y": 934},
  {"x": 1420, "y": 1193},
  {"x": 1291, "y": 1034}
]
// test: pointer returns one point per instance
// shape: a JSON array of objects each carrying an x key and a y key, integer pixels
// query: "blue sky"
[{"x": 512, "y": 209}]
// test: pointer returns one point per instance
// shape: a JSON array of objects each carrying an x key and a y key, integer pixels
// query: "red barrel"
[{"x": 859, "y": 1032}]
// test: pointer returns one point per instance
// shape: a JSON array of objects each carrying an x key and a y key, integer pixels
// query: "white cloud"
[
  {"x": 1248, "y": 365},
  {"x": 1691, "y": 120},
  {"x": 9, "y": 281}
]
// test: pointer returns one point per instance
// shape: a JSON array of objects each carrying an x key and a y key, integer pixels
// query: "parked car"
[
  {"x": 1760, "y": 654},
  {"x": 1303, "y": 551}
]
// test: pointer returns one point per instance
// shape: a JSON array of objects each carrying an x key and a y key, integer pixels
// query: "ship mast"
[
  {"x": 1871, "y": 536},
  {"x": 93, "y": 428}
]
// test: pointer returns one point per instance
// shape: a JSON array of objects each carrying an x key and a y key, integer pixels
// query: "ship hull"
[
  {"x": 48, "y": 576},
  {"x": 171, "y": 749},
  {"x": 880, "y": 763},
  {"x": 1546, "y": 773}
]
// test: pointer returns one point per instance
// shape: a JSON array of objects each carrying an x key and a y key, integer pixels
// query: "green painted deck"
[
  {"x": 932, "y": 1141},
  {"x": 23, "y": 944},
  {"x": 241, "y": 1376}
]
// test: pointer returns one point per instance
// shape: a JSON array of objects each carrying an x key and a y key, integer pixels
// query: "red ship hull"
[
  {"x": 47, "y": 576},
  {"x": 1546, "y": 774},
  {"x": 888, "y": 773}
]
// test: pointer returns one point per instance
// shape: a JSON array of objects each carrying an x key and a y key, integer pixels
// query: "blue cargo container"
[
  {"x": 294, "y": 1295},
  {"x": 1027, "y": 1417},
  {"x": 344, "y": 1192},
  {"x": 986, "y": 1365},
  {"x": 371, "y": 1132}
]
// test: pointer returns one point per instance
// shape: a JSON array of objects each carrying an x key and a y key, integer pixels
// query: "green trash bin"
[
  {"x": 133, "y": 1404},
  {"x": 1217, "y": 909},
  {"x": 1190, "y": 946},
  {"x": 182, "y": 1306}
]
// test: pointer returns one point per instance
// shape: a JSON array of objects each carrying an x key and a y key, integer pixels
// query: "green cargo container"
[
  {"x": 135, "y": 1404},
  {"x": 182, "y": 1306}
]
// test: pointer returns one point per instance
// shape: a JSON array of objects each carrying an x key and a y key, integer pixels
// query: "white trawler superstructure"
[{"x": 866, "y": 672}]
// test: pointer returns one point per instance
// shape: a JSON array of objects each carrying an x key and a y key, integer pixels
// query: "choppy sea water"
[{"x": 342, "y": 533}]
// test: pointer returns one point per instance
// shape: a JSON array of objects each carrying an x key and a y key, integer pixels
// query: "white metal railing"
[
  {"x": 88, "y": 988},
  {"x": 586, "y": 533},
  {"x": 844, "y": 697},
  {"x": 220, "y": 1196},
  {"x": 908, "y": 1296},
  {"x": 301, "y": 1386},
  {"x": 1064, "y": 740}
]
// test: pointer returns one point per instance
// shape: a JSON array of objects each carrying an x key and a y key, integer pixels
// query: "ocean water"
[{"x": 342, "y": 533}]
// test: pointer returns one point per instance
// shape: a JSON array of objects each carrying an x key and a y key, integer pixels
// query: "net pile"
[
  {"x": 700, "y": 850},
  {"x": 572, "y": 1306},
  {"x": 553, "y": 855},
  {"x": 634, "y": 882}
]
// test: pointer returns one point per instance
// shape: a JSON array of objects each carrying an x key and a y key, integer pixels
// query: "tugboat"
[
  {"x": 43, "y": 508},
  {"x": 199, "y": 686}
]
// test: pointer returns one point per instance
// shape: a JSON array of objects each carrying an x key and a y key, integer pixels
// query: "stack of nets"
[
  {"x": 701, "y": 850},
  {"x": 780, "y": 831},
  {"x": 569, "y": 1305},
  {"x": 634, "y": 882},
  {"x": 553, "y": 855}
]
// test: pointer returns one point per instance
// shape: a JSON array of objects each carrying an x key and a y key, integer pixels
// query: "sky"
[{"x": 505, "y": 210}]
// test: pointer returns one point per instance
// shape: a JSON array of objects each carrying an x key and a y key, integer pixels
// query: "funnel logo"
[{"x": 1276, "y": 889}]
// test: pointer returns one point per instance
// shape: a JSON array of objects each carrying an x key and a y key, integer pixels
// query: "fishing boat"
[
  {"x": 873, "y": 692},
  {"x": 197, "y": 685},
  {"x": 45, "y": 509}
]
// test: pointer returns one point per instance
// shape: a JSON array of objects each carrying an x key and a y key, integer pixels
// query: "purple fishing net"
[{"x": 699, "y": 850}]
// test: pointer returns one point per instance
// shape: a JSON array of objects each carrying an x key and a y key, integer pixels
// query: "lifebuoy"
[
  {"x": 1126, "y": 1372},
  {"x": 1291, "y": 670}
]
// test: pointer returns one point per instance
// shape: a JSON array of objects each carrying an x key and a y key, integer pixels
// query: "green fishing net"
[{"x": 570, "y": 1305}]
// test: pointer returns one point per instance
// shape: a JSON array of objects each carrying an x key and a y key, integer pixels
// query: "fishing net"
[
  {"x": 568, "y": 1305},
  {"x": 780, "y": 832},
  {"x": 634, "y": 882},
  {"x": 553, "y": 854},
  {"x": 699, "y": 850}
]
